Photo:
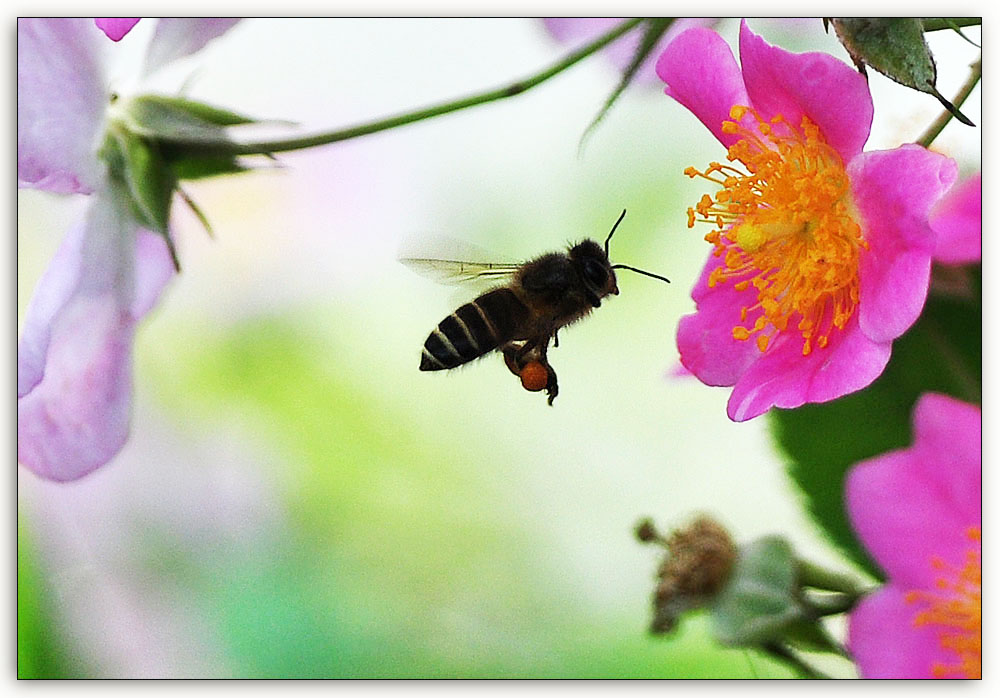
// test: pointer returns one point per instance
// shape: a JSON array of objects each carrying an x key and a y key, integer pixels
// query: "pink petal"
[
  {"x": 678, "y": 370},
  {"x": 578, "y": 31},
  {"x": 75, "y": 358},
  {"x": 77, "y": 418},
  {"x": 701, "y": 73},
  {"x": 116, "y": 27},
  {"x": 94, "y": 259},
  {"x": 61, "y": 98},
  {"x": 958, "y": 221},
  {"x": 705, "y": 339},
  {"x": 893, "y": 191},
  {"x": 176, "y": 37},
  {"x": 948, "y": 446},
  {"x": 906, "y": 518},
  {"x": 54, "y": 290},
  {"x": 831, "y": 93},
  {"x": 885, "y": 643},
  {"x": 783, "y": 377},
  {"x": 154, "y": 268}
]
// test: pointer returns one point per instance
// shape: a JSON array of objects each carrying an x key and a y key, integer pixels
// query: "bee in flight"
[{"x": 521, "y": 317}]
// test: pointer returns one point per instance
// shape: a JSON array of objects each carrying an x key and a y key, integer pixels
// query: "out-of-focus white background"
[{"x": 297, "y": 498}]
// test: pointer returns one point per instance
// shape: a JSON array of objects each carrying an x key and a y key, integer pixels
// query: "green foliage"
[
  {"x": 41, "y": 653},
  {"x": 390, "y": 531},
  {"x": 896, "y": 48},
  {"x": 942, "y": 352}
]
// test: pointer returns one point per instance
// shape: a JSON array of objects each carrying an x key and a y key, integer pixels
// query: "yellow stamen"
[
  {"x": 956, "y": 608},
  {"x": 784, "y": 225}
]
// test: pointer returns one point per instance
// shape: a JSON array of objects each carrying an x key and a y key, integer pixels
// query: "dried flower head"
[{"x": 698, "y": 564}]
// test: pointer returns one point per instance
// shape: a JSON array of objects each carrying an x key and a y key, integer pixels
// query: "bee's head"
[{"x": 595, "y": 270}]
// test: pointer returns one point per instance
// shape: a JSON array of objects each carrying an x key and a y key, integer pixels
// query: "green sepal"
[
  {"x": 809, "y": 635},
  {"x": 193, "y": 137},
  {"x": 177, "y": 120},
  {"x": 205, "y": 112},
  {"x": 150, "y": 182},
  {"x": 896, "y": 48},
  {"x": 187, "y": 165},
  {"x": 143, "y": 177},
  {"x": 759, "y": 603}
]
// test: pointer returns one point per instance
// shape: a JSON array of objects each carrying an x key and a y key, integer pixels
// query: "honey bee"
[{"x": 521, "y": 317}]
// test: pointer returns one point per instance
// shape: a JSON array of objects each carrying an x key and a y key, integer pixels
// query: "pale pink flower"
[
  {"x": 822, "y": 252},
  {"x": 74, "y": 357}
]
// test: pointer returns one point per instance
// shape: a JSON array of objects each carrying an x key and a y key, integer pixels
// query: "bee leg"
[
  {"x": 518, "y": 356},
  {"x": 552, "y": 385},
  {"x": 555, "y": 339},
  {"x": 510, "y": 357},
  {"x": 538, "y": 344},
  {"x": 524, "y": 350},
  {"x": 552, "y": 388}
]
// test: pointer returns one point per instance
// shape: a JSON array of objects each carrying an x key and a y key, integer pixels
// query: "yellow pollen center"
[
  {"x": 783, "y": 224},
  {"x": 956, "y": 609}
]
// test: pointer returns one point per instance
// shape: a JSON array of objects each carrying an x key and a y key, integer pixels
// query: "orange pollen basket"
[
  {"x": 956, "y": 609},
  {"x": 783, "y": 225}
]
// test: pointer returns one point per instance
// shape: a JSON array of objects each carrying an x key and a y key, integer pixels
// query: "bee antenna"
[
  {"x": 640, "y": 271},
  {"x": 613, "y": 229},
  {"x": 625, "y": 266}
]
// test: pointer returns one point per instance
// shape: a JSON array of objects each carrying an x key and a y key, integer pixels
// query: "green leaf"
[
  {"x": 759, "y": 602},
  {"x": 654, "y": 29},
  {"x": 43, "y": 650},
  {"x": 942, "y": 352},
  {"x": 896, "y": 48}
]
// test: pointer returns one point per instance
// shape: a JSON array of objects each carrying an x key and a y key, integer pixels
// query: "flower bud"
[{"x": 699, "y": 561}]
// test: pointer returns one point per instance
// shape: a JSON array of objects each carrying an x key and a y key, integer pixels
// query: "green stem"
[
  {"x": 935, "y": 128},
  {"x": 831, "y": 604},
  {"x": 515, "y": 88},
  {"x": 812, "y": 575},
  {"x": 933, "y": 24},
  {"x": 784, "y": 654}
]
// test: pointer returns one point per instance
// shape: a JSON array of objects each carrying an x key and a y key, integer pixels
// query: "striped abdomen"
[{"x": 476, "y": 328}]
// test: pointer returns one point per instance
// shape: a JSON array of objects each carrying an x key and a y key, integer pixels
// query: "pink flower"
[
  {"x": 116, "y": 27},
  {"x": 919, "y": 513},
  {"x": 822, "y": 252},
  {"x": 958, "y": 221},
  {"x": 74, "y": 357},
  {"x": 577, "y": 31}
]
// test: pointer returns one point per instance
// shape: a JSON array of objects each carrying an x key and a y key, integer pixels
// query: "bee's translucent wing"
[
  {"x": 448, "y": 271},
  {"x": 451, "y": 261}
]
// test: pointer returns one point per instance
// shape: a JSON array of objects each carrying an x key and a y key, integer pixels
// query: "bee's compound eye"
[
  {"x": 595, "y": 272},
  {"x": 534, "y": 376}
]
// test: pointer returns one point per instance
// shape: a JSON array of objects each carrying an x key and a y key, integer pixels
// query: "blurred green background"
[{"x": 297, "y": 499}]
